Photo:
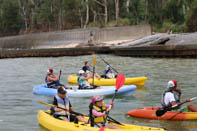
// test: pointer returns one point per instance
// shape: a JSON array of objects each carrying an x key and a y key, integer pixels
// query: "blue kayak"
[{"x": 126, "y": 90}]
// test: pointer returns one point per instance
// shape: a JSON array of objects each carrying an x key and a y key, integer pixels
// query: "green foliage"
[
  {"x": 11, "y": 21},
  {"x": 136, "y": 14},
  {"x": 191, "y": 20},
  {"x": 173, "y": 11},
  {"x": 124, "y": 22},
  {"x": 45, "y": 15}
]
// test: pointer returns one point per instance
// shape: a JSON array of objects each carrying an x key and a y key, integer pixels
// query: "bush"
[{"x": 124, "y": 22}]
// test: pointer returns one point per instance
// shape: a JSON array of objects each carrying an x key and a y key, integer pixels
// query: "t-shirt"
[
  {"x": 168, "y": 98},
  {"x": 55, "y": 102}
]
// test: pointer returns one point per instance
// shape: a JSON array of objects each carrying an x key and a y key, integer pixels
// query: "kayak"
[
  {"x": 126, "y": 90},
  {"x": 149, "y": 113},
  {"x": 53, "y": 124},
  {"x": 139, "y": 81}
]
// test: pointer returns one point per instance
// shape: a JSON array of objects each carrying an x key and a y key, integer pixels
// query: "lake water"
[{"x": 19, "y": 107}]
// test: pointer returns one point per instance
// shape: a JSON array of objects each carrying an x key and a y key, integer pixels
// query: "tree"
[
  {"x": 11, "y": 22},
  {"x": 117, "y": 11}
]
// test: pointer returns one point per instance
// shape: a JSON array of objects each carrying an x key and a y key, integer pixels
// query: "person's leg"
[
  {"x": 80, "y": 118},
  {"x": 64, "y": 118},
  {"x": 192, "y": 108},
  {"x": 97, "y": 75},
  {"x": 110, "y": 126}
]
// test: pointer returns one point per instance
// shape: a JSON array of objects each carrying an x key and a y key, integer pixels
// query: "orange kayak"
[{"x": 149, "y": 113}]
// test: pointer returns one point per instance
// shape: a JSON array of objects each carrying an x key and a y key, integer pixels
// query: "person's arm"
[
  {"x": 98, "y": 114},
  {"x": 178, "y": 90},
  {"x": 86, "y": 78},
  {"x": 52, "y": 78},
  {"x": 171, "y": 99}
]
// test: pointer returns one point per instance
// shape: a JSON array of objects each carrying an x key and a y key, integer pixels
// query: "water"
[{"x": 19, "y": 107}]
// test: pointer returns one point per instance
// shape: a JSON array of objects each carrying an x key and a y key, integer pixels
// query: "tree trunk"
[
  {"x": 127, "y": 5},
  {"x": 24, "y": 13},
  {"x": 117, "y": 12},
  {"x": 95, "y": 15},
  {"x": 87, "y": 14},
  {"x": 81, "y": 18},
  {"x": 161, "y": 16},
  {"x": 146, "y": 11},
  {"x": 106, "y": 12}
]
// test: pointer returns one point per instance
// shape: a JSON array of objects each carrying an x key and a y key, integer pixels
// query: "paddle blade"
[
  {"x": 102, "y": 128},
  {"x": 94, "y": 61},
  {"x": 120, "y": 81},
  {"x": 161, "y": 112}
]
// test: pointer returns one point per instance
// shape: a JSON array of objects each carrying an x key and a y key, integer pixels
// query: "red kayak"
[{"x": 149, "y": 113}]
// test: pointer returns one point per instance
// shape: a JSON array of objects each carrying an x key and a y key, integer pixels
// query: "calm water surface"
[{"x": 19, "y": 107}]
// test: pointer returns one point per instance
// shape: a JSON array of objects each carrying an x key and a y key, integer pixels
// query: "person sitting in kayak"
[
  {"x": 83, "y": 80},
  {"x": 61, "y": 100},
  {"x": 108, "y": 72},
  {"x": 53, "y": 81},
  {"x": 98, "y": 111},
  {"x": 89, "y": 71},
  {"x": 172, "y": 97}
]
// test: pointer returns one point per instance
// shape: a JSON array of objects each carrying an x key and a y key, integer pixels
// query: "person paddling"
[
  {"x": 108, "y": 73},
  {"x": 172, "y": 97},
  {"x": 53, "y": 81},
  {"x": 61, "y": 100},
  {"x": 89, "y": 71},
  {"x": 98, "y": 111}
]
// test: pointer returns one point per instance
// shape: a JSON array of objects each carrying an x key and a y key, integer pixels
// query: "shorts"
[
  {"x": 73, "y": 118},
  {"x": 99, "y": 124},
  {"x": 182, "y": 109}
]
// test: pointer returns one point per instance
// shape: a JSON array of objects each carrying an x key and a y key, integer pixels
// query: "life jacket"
[
  {"x": 63, "y": 104},
  {"x": 53, "y": 84},
  {"x": 101, "y": 110},
  {"x": 175, "y": 97},
  {"x": 109, "y": 74},
  {"x": 83, "y": 84}
]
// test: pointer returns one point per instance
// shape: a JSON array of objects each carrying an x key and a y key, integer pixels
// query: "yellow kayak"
[
  {"x": 138, "y": 81},
  {"x": 54, "y": 124}
]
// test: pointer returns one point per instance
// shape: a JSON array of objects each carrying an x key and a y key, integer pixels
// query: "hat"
[
  {"x": 107, "y": 67},
  {"x": 172, "y": 84},
  {"x": 49, "y": 71},
  {"x": 81, "y": 72},
  {"x": 61, "y": 90}
]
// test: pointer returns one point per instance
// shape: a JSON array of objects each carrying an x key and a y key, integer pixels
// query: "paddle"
[
  {"x": 162, "y": 111},
  {"x": 94, "y": 62},
  {"x": 60, "y": 74},
  {"x": 76, "y": 113},
  {"x": 108, "y": 64},
  {"x": 51, "y": 105},
  {"x": 119, "y": 82}
]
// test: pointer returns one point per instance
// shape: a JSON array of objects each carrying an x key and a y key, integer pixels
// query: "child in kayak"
[
  {"x": 89, "y": 71},
  {"x": 98, "y": 111},
  {"x": 83, "y": 80}
]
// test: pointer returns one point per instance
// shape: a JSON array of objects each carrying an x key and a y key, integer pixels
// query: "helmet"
[
  {"x": 96, "y": 98},
  {"x": 49, "y": 71},
  {"x": 172, "y": 84},
  {"x": 81, "y": 72}
]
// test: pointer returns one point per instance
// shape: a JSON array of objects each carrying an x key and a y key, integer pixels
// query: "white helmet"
[
  {"x": 81, "y": 72},
  {"x": 172, "y": 84}
]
